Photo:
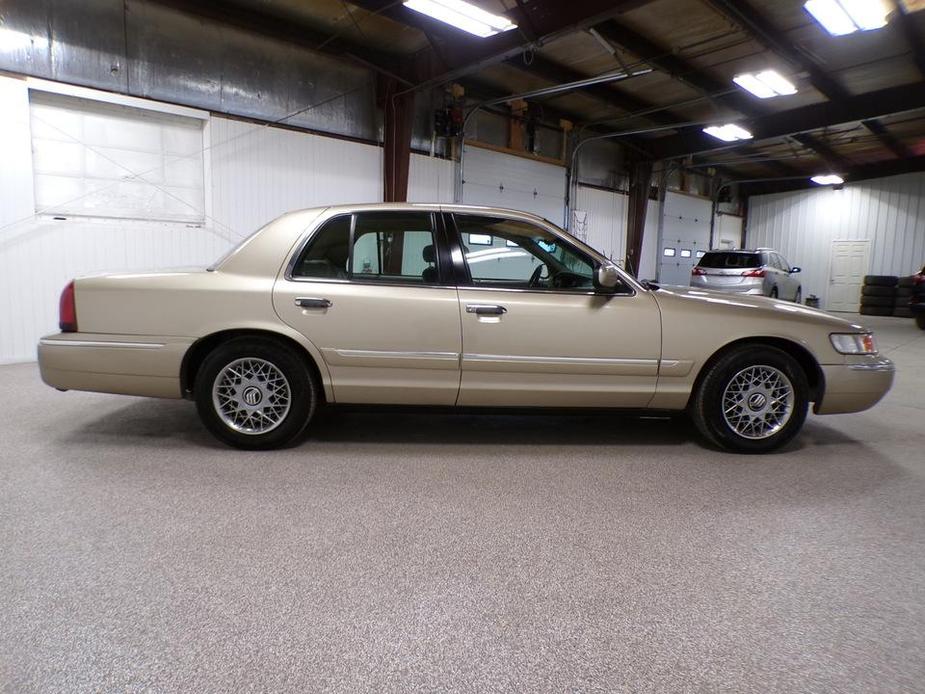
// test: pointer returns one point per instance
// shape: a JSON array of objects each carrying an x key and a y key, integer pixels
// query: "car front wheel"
[
  {"x": 255, "y": 393},
  {"x": 751, "y": 400}
]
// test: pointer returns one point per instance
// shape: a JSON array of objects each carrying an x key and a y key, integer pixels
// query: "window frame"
[
  {"x": 464, "y": 278},
  {"x": 443, "y": 262}
]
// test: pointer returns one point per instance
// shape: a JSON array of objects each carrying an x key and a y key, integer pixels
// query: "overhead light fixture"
[
  {"x": 463, "y": 15},
  {"x": 728, "y": 133},
  {"x": 828, "y": 180},
  {"x": 765, "y": 84},
  {"x": 840, "y": 17}
]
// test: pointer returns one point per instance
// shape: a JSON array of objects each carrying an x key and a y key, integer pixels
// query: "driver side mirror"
[
  {"x": 606, "y": 276},
  {"x": 794, "y": 270}
]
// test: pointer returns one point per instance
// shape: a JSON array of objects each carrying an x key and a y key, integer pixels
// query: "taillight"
[
  {"x": 67, "y": 314},
  {"x": 753, "y": 273},
  {"x": 918, "y": 279},
  {"x": 698, "y": 271}
]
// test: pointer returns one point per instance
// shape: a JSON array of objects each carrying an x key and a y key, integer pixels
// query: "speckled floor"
[{"x": 459, "y": 553}]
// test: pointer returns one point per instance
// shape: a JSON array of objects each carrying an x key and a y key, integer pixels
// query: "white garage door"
[
  {"x": 685, "y": 237},
  {"x": 503, "y": 180}
]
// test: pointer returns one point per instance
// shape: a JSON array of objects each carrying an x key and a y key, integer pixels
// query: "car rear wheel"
[
  {"x": 773, "y": 293},
  {"x": 751, "y": 400},
  {"x": 798, "y": 299},
  {"x": 255, "y": 393}
]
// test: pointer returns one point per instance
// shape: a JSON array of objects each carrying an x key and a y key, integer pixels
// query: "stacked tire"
[
  {"x": 903, "y": 294},
  {"x": 878, "y": 295}
]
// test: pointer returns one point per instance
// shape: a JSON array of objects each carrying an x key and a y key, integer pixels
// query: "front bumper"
[
  {"x": 855, "y": 386},
  {"x": 125, "y": 364}
]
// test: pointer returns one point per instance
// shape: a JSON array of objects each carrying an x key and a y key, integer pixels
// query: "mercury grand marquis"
[{"x": 450, "y": 305}]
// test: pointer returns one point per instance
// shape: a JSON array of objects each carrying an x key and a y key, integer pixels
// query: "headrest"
[{"x": 429, "y": 255}]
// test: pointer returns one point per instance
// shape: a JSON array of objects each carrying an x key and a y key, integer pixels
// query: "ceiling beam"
[
  {"x": 893, "y": 167},
  {"x": 772, "y": 39},
  {"x": 907, "y": 28},
  {"x": 539, "y": 21},
  {"x": 884, "y": 102}
]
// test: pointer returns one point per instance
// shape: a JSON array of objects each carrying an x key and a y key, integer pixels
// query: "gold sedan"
[{"x": 448, "y": 305}]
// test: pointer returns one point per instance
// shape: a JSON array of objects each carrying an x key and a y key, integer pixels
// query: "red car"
[{"x": 917, "y": 300}]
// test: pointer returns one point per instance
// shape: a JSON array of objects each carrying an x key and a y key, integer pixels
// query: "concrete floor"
[{"x": 437, "y": 553}]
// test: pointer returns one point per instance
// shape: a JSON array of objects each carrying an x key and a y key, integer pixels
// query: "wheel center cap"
[
  {"x": 252, "y": 395},
  {"x": 756, "y": 401}
]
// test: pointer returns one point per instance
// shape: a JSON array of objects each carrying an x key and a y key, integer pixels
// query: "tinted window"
[
  {"x": 521, "y": 255},
  {"x": 394, "y": 246},
  {"x": 730, "y": 260},
  {"x": 326, "y": 254},
  {"x": 386, "y": 245},
  {"x": 781, "y": 263}
]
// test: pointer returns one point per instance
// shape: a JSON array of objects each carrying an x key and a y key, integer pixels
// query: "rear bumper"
[
  {"x": 753, "y": 288},
  {"x": 856, "y": 386},
  {"x": 125, "y": 364}
]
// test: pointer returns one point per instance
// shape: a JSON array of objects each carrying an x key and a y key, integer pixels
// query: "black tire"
[
  {"x": 875, "y": 290},
  {"x": 904, "y": 293},
  {"x": 773, "y": 293},
  {"x": 920, "y": 320},
  {"x": 798, "y": 299},
  {"x": 302, "y": 385},
  {"x": 706, "y": 407},
  {"x": 881, "y": 280},
  {"x": 876, "y": 311},
  {"x": 903, "y": 312},
  {"x": 871, "y": 301},
  {"x": 906, "y": 282}
]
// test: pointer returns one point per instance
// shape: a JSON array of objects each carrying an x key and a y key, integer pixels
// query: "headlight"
[{"x": 853, "y": 343}]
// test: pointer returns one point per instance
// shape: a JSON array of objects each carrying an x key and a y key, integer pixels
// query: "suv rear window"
[{"x": 721, "y": 260}]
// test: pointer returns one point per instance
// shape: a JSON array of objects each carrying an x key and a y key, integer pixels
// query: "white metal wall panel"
[
  {"x": 260, "y": 172},
  {"x": 599, "y": 219},
  {"x": 431, "y": 179},
  {"x": 504, "y": 180},
  {"x": 889, "y": 212},
  {"x": 728, "y": 231}
]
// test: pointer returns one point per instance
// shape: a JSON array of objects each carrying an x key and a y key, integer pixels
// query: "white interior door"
[{"x": 850, "y": 261}]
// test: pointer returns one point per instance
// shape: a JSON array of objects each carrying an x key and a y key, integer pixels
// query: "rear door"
[{"x": 370, "y": 290}]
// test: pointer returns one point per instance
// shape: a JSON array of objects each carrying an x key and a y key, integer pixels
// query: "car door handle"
[
  {"x": 486, "y": 309},
  {"x": 313, "y": 302}
]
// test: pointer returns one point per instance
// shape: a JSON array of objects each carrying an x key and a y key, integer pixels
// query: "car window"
[
  {"x": 719, "y": 260},
  {"x": 394, "y": 246},
  {"x": 390, "y": 246},
  {"x": 325, "y": 256},
  {"x": 781, "y": 263},
  {"x": 511, "y": 253}
]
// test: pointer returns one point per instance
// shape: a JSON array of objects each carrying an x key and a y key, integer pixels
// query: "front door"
[
  {"x": 369, "y": 291},
  {"x": 849, "y": 264},
  {"x": 535, "y": 332}
]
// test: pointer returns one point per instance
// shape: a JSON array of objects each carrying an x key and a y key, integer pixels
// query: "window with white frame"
[{"x": 97, "y": 159}]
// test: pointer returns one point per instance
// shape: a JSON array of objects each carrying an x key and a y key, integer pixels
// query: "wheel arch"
[
  {"x": 198, "y": 351},
  {"x": 803, "y": 357}
]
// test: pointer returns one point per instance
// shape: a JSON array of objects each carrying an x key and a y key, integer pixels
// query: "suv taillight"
[
  {"x": 698, "y": 271},
  {"x": 753, "y": 273},
  {"x": 67, "y": 314},
  {"x": 919, "y": 278}
]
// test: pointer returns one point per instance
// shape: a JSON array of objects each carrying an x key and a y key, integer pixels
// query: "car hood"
[{"x": 725, "y": 304}]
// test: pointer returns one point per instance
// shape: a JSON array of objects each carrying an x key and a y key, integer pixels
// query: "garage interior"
[{"x": 390, "y": 552}]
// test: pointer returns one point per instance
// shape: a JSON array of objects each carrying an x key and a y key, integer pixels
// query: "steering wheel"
[{"x": 535, "y": 277}]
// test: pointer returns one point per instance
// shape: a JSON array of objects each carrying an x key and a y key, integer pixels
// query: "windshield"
[{"x": 730, "y": 260}]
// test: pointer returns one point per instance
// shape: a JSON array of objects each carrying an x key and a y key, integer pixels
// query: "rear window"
[{"x": 721, "y": 260}]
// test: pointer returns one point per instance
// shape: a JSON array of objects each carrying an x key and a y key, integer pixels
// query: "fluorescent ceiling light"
[
  {"x": 463, "y": 15},
  {"x": 728, "y": 133},
  {"x": 828, "y": 180},
  {"x": 765, "y": 84},
  {"x": 840, "y": 17}
]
